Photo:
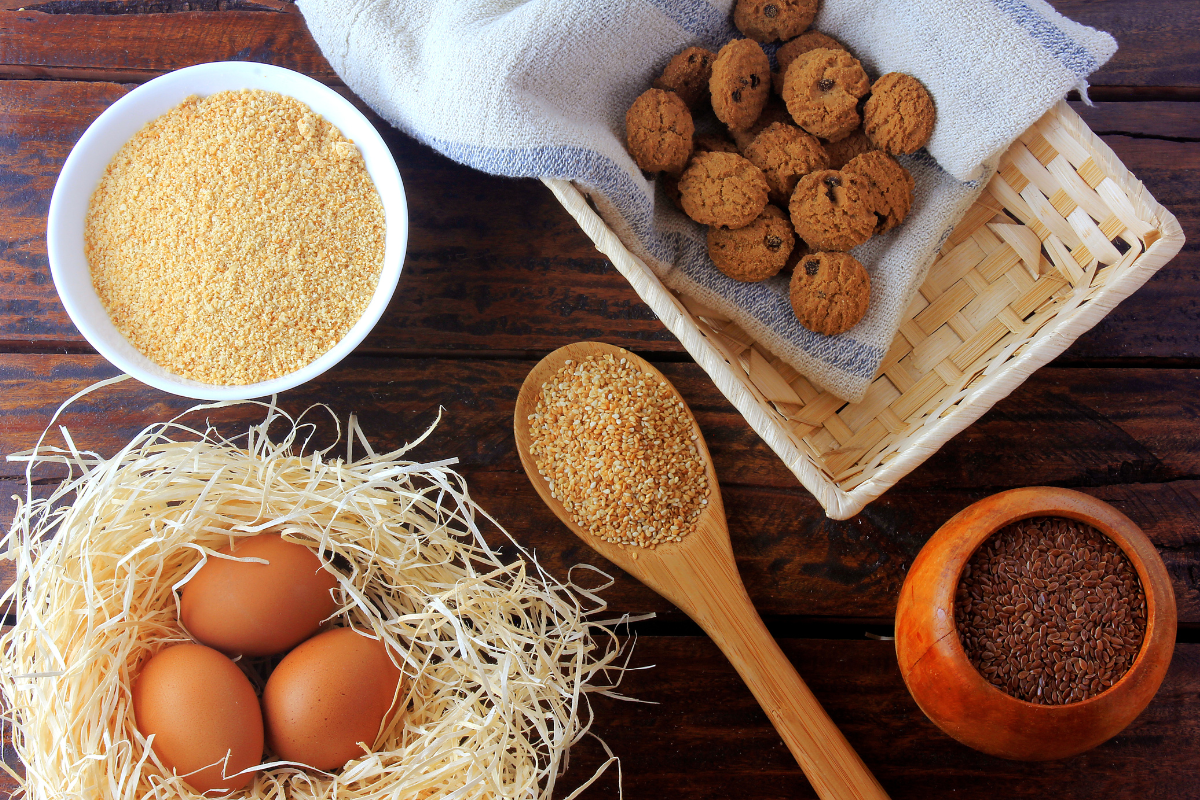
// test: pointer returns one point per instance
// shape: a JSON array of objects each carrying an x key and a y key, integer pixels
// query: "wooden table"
[{"x": 497, "y": 275}]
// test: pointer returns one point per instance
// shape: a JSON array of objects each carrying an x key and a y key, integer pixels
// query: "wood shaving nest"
[{"x": 500, "y": 656}]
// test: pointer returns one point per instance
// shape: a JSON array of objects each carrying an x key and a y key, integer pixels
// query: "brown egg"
[
  {"x": 246, "y": 608},
  {"x": 326, "y": 696},
  {"x": 200, "y": 707}
]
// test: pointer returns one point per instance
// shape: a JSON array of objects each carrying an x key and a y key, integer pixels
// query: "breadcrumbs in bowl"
[{"x": 229, "y": 230}]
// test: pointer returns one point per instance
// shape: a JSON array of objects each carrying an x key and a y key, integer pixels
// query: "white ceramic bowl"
[{"x": 100, "y": 142}]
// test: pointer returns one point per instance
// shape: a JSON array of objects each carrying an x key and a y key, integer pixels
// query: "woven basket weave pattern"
[{"x": 1062, "y": 233}]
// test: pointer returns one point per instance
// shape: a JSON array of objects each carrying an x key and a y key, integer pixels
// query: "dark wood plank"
[
  {"x": 707, "y": 738},
  {"x": 1113, "y": 433},
  {"x": 1156, "y": 41},
  {"x": 496, "y": 264},
  {"x": 1166, "y": 120},
  {"x": 702, "y": 736},
  {"x": 800, "y": 568},
  {"x": 88, "y": 46},
  {"x": 1064, "y": 426},
  {"x": 141, "y": 46}
]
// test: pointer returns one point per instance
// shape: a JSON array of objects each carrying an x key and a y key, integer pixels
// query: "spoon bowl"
[{"x": 699, "y": 575}]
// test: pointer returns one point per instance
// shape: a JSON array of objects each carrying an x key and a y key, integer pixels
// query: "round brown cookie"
[
  {"x": 889, "y": 187},
  {"x": 822, "y": 88},
  {"x": 756, "y": 251},
  {"x": 789, "y": 51},
  {"x": 899, "y": 115},
  {"x": 843, "y": 150},
  {"x": 785, "y": 153},
  {"x": 830, "y": 292},
  {"x": 741, "y": 83},
  {"x": 774, "y": 111},
  {"x": 723, "y": 189},
  {"x": 830, "y": 212},
  {"x": 771, "y": 20},
  {"x": 687, "y": 75},
  {"x": 659, "y": 130},
  {"x": 710, "y": 143}
]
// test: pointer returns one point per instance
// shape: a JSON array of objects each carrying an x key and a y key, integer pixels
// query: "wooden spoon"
[{"x": 700, "y": 577}]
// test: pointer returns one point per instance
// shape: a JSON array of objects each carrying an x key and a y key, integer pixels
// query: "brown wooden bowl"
[{"x": 951, "y": 691}]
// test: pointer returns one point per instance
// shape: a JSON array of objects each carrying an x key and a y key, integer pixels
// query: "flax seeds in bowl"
[
  {"x": 1050, "y": 610},
  {"x": 616, "y": 447},
  {"x": 236, "y": 238},
  {"x": 1037, "y": 589}
]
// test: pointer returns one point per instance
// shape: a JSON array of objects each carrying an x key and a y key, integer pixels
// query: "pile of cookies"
[{"x": 815, "y": 138}]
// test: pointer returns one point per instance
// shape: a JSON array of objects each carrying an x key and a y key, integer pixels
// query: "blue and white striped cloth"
[{"x": 539, "y": 88}]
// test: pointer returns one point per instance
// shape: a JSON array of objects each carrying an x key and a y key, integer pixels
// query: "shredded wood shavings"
[{"x": 500, "y": 656}]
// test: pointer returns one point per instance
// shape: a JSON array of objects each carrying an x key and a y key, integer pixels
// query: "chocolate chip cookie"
[
  {"x": 821, "y": 89},
  {"x": 772, "y": 20},
  {"x": 830, "y": 212},
  {"x": 687, "y": 75},
  {"x": 785, "y": 154},
  {"x": 723, "y": 189},
  {"x": 830, "y": 292},
  {"x": 756, "y": 251},
  {"x": 805, "y": 42},
  {"x": 843, "y": 151},
  {"x": 659, "y": 130},
  {"x": 774, "y": 111},
  {"x": 711, "y": 143},
  {"x": 740, "y": 84},
  {"x": 888, "y": 187},
  {"x": 899, "y": 116}
]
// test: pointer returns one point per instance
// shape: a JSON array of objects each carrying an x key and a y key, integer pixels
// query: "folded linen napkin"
[{"x": 539, "y": 88}]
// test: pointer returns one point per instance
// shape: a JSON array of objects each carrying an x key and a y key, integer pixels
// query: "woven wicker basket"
[{"x": 1061, "y": 235}]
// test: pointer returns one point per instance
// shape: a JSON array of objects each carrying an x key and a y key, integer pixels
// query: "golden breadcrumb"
[{"x": 236, "y": 238}]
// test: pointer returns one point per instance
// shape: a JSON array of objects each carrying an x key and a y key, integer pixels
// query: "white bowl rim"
[{"x": 148, "y": 102}]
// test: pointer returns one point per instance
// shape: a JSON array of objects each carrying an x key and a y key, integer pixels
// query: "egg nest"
[{"x": 499, "y": 656}]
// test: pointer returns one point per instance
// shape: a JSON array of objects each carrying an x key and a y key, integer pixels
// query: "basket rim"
[{"x": 967, "y": 404}]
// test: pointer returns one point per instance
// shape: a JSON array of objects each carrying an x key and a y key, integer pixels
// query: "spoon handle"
[{"x": 830, "y": 763}]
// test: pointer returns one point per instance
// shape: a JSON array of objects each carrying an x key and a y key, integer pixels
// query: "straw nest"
[{"x": 499, "y": 655}]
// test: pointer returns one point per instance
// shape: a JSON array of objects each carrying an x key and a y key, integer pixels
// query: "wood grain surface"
[{"x": 497, "y": 275}]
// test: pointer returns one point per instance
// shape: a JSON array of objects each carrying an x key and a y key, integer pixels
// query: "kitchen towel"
[{"x": 539, "y": 88}]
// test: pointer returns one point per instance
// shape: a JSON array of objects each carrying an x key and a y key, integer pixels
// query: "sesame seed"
[{"x": 610, "y": 448}]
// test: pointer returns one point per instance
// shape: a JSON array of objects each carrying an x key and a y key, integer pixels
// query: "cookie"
[
  {"x": 774, "y": 111},
  {"x": 830, "y": 212},
  {"x": 785, "y": 154},
  {"x": 756, "y": 251},
  {"x": 829, "y": 292},
  {"x": 772, "y": 20},
  {"x": 805, "y": 42},
  {"x": 704, "y": 143},
  {"x": 889, "y": 187},
  {"x": 899, "y": 115},
  {"x": 710, "y": 143},
  {"x": 687, "y": 75},
  {"x": 659, "y": 130},
  {"x": 740, "y": 84},
  {"x": 843, "y": 151},
  {"x": 821, "y": 89},
  {"x": 723, "y": 189}
]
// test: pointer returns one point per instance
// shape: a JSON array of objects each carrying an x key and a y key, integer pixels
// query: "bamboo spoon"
[{"x": 700, "y": 577}]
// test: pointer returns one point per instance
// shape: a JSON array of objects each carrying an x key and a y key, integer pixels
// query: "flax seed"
[
  {"x": 1050, "y": 611},
  {"x": 236, "y": 238}
]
